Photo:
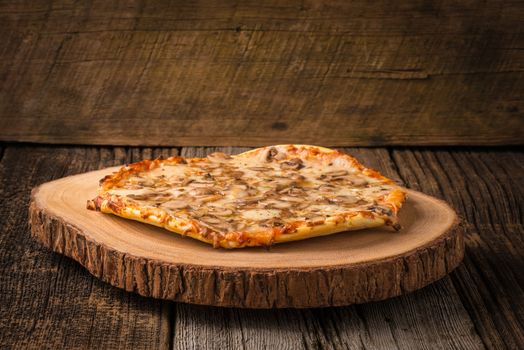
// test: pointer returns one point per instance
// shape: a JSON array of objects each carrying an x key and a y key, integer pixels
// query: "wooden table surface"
[{"x": 49, "y": 301}]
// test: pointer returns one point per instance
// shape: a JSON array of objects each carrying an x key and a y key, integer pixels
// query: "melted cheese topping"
[{"x": 224, "y": 194}]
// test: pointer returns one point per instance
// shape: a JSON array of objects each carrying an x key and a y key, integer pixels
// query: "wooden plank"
[
  {"x": 335, "y": 73},
  {"x": 487, "y": 190},
  {"x": 433, "y": 317},
  {"x": 47, "y": 300}
]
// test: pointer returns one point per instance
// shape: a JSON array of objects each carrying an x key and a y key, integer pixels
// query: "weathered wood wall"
[{"x": 252, "y": 73}]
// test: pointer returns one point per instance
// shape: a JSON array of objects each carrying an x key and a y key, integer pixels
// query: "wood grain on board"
[
  {"x": 335, "y": 73},
  {"x": 47, "y": 300}
]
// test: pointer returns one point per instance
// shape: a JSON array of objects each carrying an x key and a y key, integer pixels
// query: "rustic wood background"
[
  {"x": 225, "y": 73},
  {"x": 48, "y": 301},
  {"x": 335, "y": 73}
]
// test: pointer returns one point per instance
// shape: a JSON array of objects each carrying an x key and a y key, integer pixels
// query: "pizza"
[{"x": 264, "y": 196}]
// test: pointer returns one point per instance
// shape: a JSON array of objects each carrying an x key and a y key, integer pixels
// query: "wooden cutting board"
[{"x": 341, "y": 269}]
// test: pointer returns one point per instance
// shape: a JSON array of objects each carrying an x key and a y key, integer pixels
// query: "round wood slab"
[{"x": 341, "y": 269}]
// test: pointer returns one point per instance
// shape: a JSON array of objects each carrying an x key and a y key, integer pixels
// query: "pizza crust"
[{"x": 117, "y": 192}]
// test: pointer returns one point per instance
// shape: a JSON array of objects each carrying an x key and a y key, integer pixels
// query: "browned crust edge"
[{"x": 252, "y": 288}]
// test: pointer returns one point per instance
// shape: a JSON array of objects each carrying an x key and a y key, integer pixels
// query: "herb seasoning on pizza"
[{"x": 260, "y": 197}]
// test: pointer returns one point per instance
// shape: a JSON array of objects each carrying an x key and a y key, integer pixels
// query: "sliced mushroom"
[
  {"x": 208, "y": 177},
  {"x": 292, "y": 164},
  {"x": 271, "y": 193},
  {"x": 259, "y": 168},
  {"x": 209, "y": 165},
  {"x": 163, "y": 189},
  {"x": 271, "y": 223},
  {"x": 326, "y": 188},
  {"x": 201, "y": 183},
  {"x": 187, "y": 181},
  {"x": 219, "y": 226},
  {"x": 218, "y": 171},
  {"x": 218, "y": 156},
  {"x": 202, "y": 191},
  {"x": 291, "y": 199},
  {"x": 158, "y": 185},
  {"x": 175, "y": 204},
  {"x": 260, "y": 214},
  {"x": 273, "y": 153},
  {"x": 336, "y": 173},
  {"x": 345, "y": 199},
  {"x": 147, "y": 182},
  {"x": 280, "y": 156},
  {"x": 236, "y": 174},
  {"x": 297, "y": 177},
  {"x": 221, "y": 211},
  {"x": 142, "y": 196},
  {"x": 268, "y": 154},
  {"x": 317, "y": 220},
  {"x": 239, "y": 191},
  {"x": 277, "y": 176},
  {"x": 282, "y": 185},
  {"x": 132, "y": 187},
  {"x": 361, "y": 202},
  {"x": 281, "y": 205},
  {"x": 252, "y": 191},
  {"x": 283, "y": 188},
  {"x": 302, "y": 206},
  {"x": 322, "y": 200},
  {"x": 357, "y": 181},
  {"x": 211, "y": 198},
  {"x": 382, "y": 210},
  {"x": 211, "y": 220},
  {"x": 296, "y": 191},
  {"x": 163, "y": 199},
  {"x": 197, "y": 211},
  {"x": 247, "y": 202},
  {"x": 292, "y": 190}
]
